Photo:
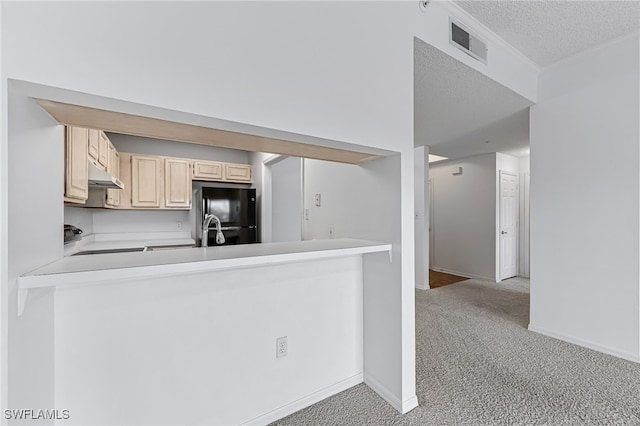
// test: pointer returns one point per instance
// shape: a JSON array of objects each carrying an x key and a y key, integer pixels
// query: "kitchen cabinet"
[
  {"x": 208, "y": 170},
  {"x": 103, "y": 150},
  {"x": 177, "y": 182},
  {"x": 76, "y": 186},
  {"x": 221, "y": 172},
  {"x": 94, "y": 146},
  {"x": 146, "y": 174},
  {"x": 237, "y": 173},
  {"x": 154, "y": 182},
  {"x": 113, "y": 167}
]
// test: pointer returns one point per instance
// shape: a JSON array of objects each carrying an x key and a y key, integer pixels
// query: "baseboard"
[
  {"x": 422, "y": 286},
  {"x": 585, "y": 343},
  {"x": 304, "y": 402},
  {"x": 464, "y": 274},
  {"x": 402, "y": 406}
]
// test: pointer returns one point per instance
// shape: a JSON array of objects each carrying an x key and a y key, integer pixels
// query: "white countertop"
[
  {"x": 96, "y": 269},
  {"x": 129, "y": 240},
  {"x": 99, "y": 268}
]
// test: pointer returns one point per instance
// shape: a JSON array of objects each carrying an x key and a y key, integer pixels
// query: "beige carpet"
[{"x": 478, "y": 365}]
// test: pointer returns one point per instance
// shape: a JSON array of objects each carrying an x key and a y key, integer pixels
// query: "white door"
[{"x": 508, "y": 225}]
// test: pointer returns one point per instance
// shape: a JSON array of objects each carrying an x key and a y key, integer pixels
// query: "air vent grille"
[{"x": 460, "y": 37}]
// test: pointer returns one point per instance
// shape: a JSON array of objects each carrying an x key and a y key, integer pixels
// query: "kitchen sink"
[
  {"x": 120, "y": 250},
  {"x": 169, "y": 247}
]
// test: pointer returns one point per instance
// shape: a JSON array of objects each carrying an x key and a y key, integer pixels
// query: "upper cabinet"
[
  {"x": 153, "y": 182},
  {"x": 207, "y": 170},
  {"x": 94, "y": 145},
  {"x": 221, "y": 172},
  {"x": 76, "y": 182},
  {"x": 99, "y": 148},
  {"x": 103, "y": 150},
  {"x": 237, "y": 173},
  {"x": 146, "y": 181},
  {"x": 113, "y": 167},
  {"x": 177, "y": 183},
  {"x": 150, "y": 181}
]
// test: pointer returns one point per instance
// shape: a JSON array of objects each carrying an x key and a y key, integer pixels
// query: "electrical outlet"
[
  {"x": 331, "y": 232},
  {"x": 318, "y": 200},
  {"x": 281, "y": 347},
  {"x": 179, "y": 226}
]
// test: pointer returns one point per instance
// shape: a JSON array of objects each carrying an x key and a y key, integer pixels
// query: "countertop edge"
[{"x": 105, "y": 276}]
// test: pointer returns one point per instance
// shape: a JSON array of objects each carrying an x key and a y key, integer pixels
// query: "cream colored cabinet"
[
  {"x": 76, "y": 183},
  {"x": 208, "y": 170},
  {"x": 221, "y": 172},
  {"x": 237, "y": 172},
  {"x": 146, "y": 181},
  {"x": 103, "y": 149},
  {"x": 94, "y": 145},
  {"x": 177, "y": 183},
  {"x": 113, "y": 167}
]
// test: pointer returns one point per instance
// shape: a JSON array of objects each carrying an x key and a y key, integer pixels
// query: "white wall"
[
  {"x": 584, "y": 209},
  {"x": 200, "y": 349},
  {"x": 34, "y": 238},
  {"x": 464, "y": 210},
  {"x": 286, "y": 199},
  {"x": 151, "y": 146},
  {"x": 506, "y": 163},
  {"x": 79, "y": 217},
  {"x": 115, "y": 221},
  {"x": 421, "y": 206},
  {"x": 363, "y": 202}
]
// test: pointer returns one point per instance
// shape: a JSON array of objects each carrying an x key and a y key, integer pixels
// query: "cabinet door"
[
  {"x": 177, "y": 182},
  {"x": 237, "y": 172},
  {"x": 103, "y": 150},
  {"x": 207, "y": 170},
  {"x": 94, "y": 144},
  {"x": 113, "y": 195},
  {"x": 76, "y": 187},
  {"x": 145, "y": 181}
]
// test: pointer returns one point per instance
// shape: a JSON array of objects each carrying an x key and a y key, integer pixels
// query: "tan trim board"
[{"x": 117, "y": 122}]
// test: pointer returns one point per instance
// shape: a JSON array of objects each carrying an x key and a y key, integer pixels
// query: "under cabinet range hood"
[{"x": 101, "y": 179}]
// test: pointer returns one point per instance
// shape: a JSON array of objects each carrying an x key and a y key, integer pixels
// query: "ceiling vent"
[{"x": 460, "y": 37}]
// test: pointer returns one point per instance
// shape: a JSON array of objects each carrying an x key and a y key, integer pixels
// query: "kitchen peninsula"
[
  {"x": 190, "y": 307},
  {"x": 100, "y": 269}
]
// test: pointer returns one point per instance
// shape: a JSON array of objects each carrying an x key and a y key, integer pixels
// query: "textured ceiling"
[
  {"x": 458, "y": 108},
  {"x": 548, "y": 31}
]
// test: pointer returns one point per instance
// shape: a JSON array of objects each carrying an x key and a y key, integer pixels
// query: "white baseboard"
[
  {"x": 464, "y": 274},
  {"x": 422, "y": 286},
  {"x": 402, "y": 406},
  {"x": 304, "y": 402},
  {"x": 585, "y": 343}
]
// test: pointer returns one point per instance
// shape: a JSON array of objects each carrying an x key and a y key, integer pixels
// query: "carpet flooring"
[
  {"x": 440, "y": 279},
  {"x": 477, "y": 364}
]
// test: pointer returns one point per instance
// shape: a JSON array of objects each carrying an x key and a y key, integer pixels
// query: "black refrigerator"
[{"x": 236, "y": 209}]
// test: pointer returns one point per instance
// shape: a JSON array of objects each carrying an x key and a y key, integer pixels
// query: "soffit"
[
  {"x": 118, "y": 122},
  {"x": 458, "y": 108}
]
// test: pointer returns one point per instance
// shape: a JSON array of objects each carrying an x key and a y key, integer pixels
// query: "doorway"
[{"x": 508, "y": 229}]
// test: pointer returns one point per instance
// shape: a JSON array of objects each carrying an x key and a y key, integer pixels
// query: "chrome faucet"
[{"x": 205, "y": 230}]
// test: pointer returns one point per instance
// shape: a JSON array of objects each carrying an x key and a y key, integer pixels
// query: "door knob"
[{"x": 503, "y": 232}]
